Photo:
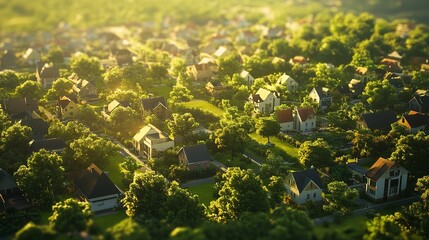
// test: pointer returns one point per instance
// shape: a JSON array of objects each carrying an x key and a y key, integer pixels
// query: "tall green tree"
[
  {"x": 230, "y": 137},
  {"x": 340, "y": 198},
  {"x": 380, "y": 94},
  {"x": 240, "y": 191},
  {"x": 29, "y": 89},
  {"x": 124, "y": 121},
  {"x": 315, "y": 153},
  {"x": 60, "y": 87},
  {"x": 127, "y": 229},
  {"x": 86, "y": 67},
  {"x": 182, "y": 125},
  {"x": 71, "y": 216},
  {"x": 42, "y": 179},
  {"x": 8, "y": 79},
  {"x": 384, "y": 227},
  {"x": 267, "y": 128}
]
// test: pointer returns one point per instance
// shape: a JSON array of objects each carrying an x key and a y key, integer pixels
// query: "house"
[
  {"x": 7, "y": 183},
  {"x": 220, "y": 51},
  {"x": 378, "y": 120},
  {"x": 39, "y": 127},
  {"x": 288, "y": 82},
  {"x": 394, "y": 56},
  {"x": 322, "y": 96},
  {"x": 414, "y": 121},
  {"x": 10, "y": 196},
  {"x": 391, "y": 65},
  {"x": 305, "y": 119},
  {"x": 215, "y": 88},
  {"x": 385, "y": 179},
  {"x": 151, "y": 142},
  {"x": 46, "y": 75},
  {"x": 285, "y": 119},
  {"x": 298, "y": 60},
  {"x": 202, "y": 70},
  {"x": 363, "y": 74},
  {"x": 31, "y": 56},
  {"x": 67, "y": 107},
  {"x": 356, "y": 86},
  {"x": 95, "y": 187},
  {"x": 8, "y": 59},
  {"x": 123, "y": 57},
  {"x": 249, "y": 79},
  {"x": 156, "y": 106},
  {"x": 273, "y": 32},
  {"x": 304, "y": 186},
  {"x": 419, "y": 104},
  {"x": 18, "y": 107},
  {"x": 265, "y": 101},
  {"x": 84, "y": 89},
  {"x": 246, "y": 37},
  {"x": 108, "y": 109},
  {"x": 51, "y": 144},
  {"x": 196, "y": 157}
]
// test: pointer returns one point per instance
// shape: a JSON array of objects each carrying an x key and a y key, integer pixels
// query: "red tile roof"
[
  {"x": 305, "y": 113},
  {"x": 284, "y": 116}
]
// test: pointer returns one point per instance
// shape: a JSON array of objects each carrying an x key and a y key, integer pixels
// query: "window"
[
  {"x": 394, "y": 173},
  {"x": 314, "y": 195},
  {"x": 372, "y": 183},
  {"x": 371, "y": 191},
  {"x": 394, "y": 186},
  {"x": 308, "y": 196}
]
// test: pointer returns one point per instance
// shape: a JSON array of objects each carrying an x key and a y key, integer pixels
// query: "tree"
[
  {"x": 8, "y": 79},
  {"x": 340, "y": 198},
  {"x": 70, "y": 216},
  {"x": 276, "y": 191},
  {"x": 16, "y": 138},
  {"x": 230, "y": 137},
  {"x": 113, "y": 78},
  {"x": 334, "y": 50},
  {"x": 240, "y": 191},
  {"x": 127, "y": 229},
  {"x": 267, "y": 128},
  {"x": 290, "y": 223},
  {"x": 180, "y": 93},
  {"x": 33, "y": 231},
  {"x": 380, "y": 95},
  {"x": 228, "y": 65},
  {"x": 316, "y": 154},
  {"x": 183, "y": 207},
  {"x": 178, "y": 67},
  {"x": 129, "y": 167},
  {"x": 384, "y": 227},
  {"x": 158, "y": 71},
  {"x": 60, "y": 87},
  {"x": 146, "y": 196},
  {"x": 124, "y": 120},
  {"x": 86, "y": 67},
  {"x": 55, "y": 55},
  {"x": 411, "y": 152},
  {"x": 274, "y": 165},
  {"x": 28, "y": 89},
  {"x": 42, "y": 179},
  {"x": 88, "y": 116},
  {"x": 68, "y": 132},
  {"x": 182, "y": 125},
  {"x": 92, "y": 149},
  {"x": 341, "y": 172},
  {"x": 4, "y": 121}
]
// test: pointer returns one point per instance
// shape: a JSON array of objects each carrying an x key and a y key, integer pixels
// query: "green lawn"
[
  {"x": 204, "y": 191},
  {"x": 352, "y": 227},
  {"x": 97, "y": 105},
  {"x": 205, "y": 106},
  {"x": 106, "y": 221},
  {"x": 162, "y": 90},
  {"x": 286, "y": 147},
  {"x": 225, "y": 158},
  {"x": 115, "y": 170}
]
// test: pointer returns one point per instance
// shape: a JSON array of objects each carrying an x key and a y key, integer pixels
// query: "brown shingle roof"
[
  {"x": 305, "y": 113},
  {"x": 380, "y": 167},
  {"x": 284, "y": 116}
]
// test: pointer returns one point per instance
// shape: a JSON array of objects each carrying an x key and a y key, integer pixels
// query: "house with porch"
[
  {"x": 385, "y": 180},
  {"x": 304, "y": 186},
  {"x": 151, "y": 142}
]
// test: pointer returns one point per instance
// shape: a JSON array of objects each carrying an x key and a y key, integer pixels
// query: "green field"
[
  {"x": 287, "y": 148},
  {"x": 204, "y": 191},
  {"x": 115, "y": 170},
  {"x": 106, "y": 221},
  {"x": 205, "y": 106}
]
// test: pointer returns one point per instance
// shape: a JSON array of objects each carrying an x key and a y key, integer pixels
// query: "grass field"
[
  {"x": 115, "y": 170},
  {"x": 287, "y": 148},
  {"x": 204, "y": 191},
  {"x": 205, "y": 106},
  {"x": 106, "y": 221},
  {"x": 352, "y": 227}
]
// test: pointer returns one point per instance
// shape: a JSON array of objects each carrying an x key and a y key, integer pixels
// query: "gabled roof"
[
  {"x": 50, "y": 144},
  {"x": 196, "y": 153},
  {"x": 6, "y": 180},
  {"x": 151, "y": 103},
  {"x": 38, "y": 126},
  {"x": 322, "y": 92},
  {"x": 245, "y": 74},
  {"x": 423, "y": 101},
  {"x": 357, "y": 168},
  {"x": 114, "y": 104},
  {"x": 264, "y": 93},
  {"x": 284, "y": 116},
  {"x": 146, "y": 132},
  {"x": 303, "y": 178},
  {"x": 64, "y": 101},
  {"x": 18, "y": 105},
  {"x": 395, "y": 55},
  {"x": 94, "y": 183},
  {"x": 284, "y": 79},
  {"x": 361, "y": 70},
  {"x": 49, "y": 72},
  {"x": 305, "y": 113},
  {"x": 380, "y": 167},
  {"x": 417, "y": 119},
  {"x": 379, "y": 120}
]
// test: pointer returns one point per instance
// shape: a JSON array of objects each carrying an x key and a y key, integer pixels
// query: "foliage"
[
  {"x": 8, "y": 79},
  {"x": 42, "y": 179},
  {"x": 267, "y": 128},
  {"x": 240, "y": 191},
  {"x": 273, "y": 165},
  {"x": 85, "y": 67},
  {"x": 68, "y": 132},
  {"x": 384, "y": 227},
  {"x": 231, "y": 137},
  {"x": 70, "y": 216},
  {"x": 340, "y": 172},
  {"x": 380, "y": 94},
  {"x": 129, "y": 167},
  {"x": 60, "y": 87},
  {"x": 33, "y": 231},
  {"x": 127, "y": 229},
  {"x": 276, "y": 191},
  {"x": 340, "y": 198},
  {"x": 124, "y": 120},
  {"x": 182, "y": 125},
  {"x": 315, "y": 153},
  {"x": 29, "y": 89}
]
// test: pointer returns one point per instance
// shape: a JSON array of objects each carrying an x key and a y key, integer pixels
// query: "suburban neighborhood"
[{"x": 204, "y": 124}]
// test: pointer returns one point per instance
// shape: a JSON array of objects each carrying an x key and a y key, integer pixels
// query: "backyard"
[
  {"x": 205, "y": 106},
  {"x": 204, "y": 191}
]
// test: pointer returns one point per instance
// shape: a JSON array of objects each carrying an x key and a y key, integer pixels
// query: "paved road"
[{"x": 254, "y": 159}]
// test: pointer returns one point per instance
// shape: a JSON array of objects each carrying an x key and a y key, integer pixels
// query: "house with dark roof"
[
  {"x": 39, "y": 127},
  {"x": 414, "y": 121},
  {"x": 94, "y": 186},
  {"x": 17, "y": 108},
  {"x": 51, "y": 144},
  {"x": 154, "y": 105},
  {"x": 264, "y": 101},
  {"x": 151, "y": 142},
  {"x": 285, "y": 119},
  {"x": 67, "y": 107},
  {"x": 304, "y": 186},
  {"x": 83, "y": 88},
  {"x": 419, "y": 104},
  {"x": 378, "y": 120},
  {"x": 305, "y": 119},
  {"x": 385, "y": 179},
  {"x": 215, "y": 88},
  {"x": 196, "y": 157},
  {"x": 322, "y": 96},
  {"x": 10, "y": 196},
  {"x": 7, "y": 183},
  {"x": 46, "y": 75},
  {"x": 391, "y": 65}
]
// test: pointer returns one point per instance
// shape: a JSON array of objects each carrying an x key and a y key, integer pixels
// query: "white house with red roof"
[
  {"x": 285, "y": 119},
  {"x": 305, "y": 119}
]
